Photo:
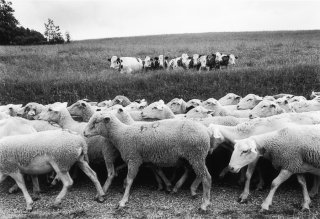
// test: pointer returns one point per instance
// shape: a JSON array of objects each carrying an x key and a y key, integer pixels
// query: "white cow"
[{"x": 128, "y": 65}]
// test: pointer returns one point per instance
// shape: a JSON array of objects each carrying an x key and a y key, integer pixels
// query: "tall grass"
[{"x": 269, "y": 63}]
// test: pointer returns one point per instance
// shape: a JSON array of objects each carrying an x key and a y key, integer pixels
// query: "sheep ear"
[
  {"x": 64, "y": 104},
  {"x": 83, "y": 104},
  {"x": 120, "y": 110},
  {"x": 107, "y": 119},
  {"x": 273, "y": 105},
  {"x": 161, "y": 101},
  {"x": 286, "y": 102}
]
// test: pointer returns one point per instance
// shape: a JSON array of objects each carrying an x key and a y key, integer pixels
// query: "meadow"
[{"x": 269, "y": 63}]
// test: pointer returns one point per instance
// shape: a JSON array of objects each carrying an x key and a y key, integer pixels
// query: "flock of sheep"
[
  {"x": 199, "y": 62},
  {"x": 40, "y": 139}
]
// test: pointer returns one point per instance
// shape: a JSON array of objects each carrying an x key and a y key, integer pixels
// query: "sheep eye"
[
  {"x": 154, "y": 107},
  {"x": 229, "y": 97},
  {"x": 249, "y": 100},
  {"x": 245, "y": 152},
  {"x": 49, "y": 110}
]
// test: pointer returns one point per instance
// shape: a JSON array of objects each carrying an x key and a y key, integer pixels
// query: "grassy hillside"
[{"x": 269, "y": 62}]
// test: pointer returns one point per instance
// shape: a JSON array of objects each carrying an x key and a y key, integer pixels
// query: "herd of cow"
[{"x": 199, "y": 62}]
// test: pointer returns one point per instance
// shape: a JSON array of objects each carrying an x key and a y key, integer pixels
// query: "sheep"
[
  {"x": 193, "y": 103},
  {"x": 122, "y": 100},
  {"x": 99, "y": 149},
  {"x": 293, "y": 150},
  {"x": 11, "y": 109},
  {"x": 258, "y": 126},
  {"x": 137, "y": 105},
  {"x": 314, "y": 94},
  {"x": 198, "y": 112},
  {"x": 266, "y": 108},
  {"x": 32, "y": 109},
  {"x": 105, "y": 103},
  {"x": 307, "y": 105},
  {"x": 248, "y": 102},
  {"x": 171, "y": 140},
  {"x": 229, "y": 99},
  {"x": 178, "y": 106},
  {"x": 82, "y": 109},
  {"x": 42, "y": 152},
  {"x": 287, "y": 96},
  {"x": 219, "y": 110},
  {"x": 297, "y": 99},
  {"x": 284, "y": 104},
  {"x": 270, "y": 98}
]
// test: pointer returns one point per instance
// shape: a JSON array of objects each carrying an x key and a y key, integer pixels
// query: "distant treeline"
[{"x": 11, "y": 33}]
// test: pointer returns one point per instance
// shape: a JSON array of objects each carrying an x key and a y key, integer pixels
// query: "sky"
[{"x": 92, "y": 19}]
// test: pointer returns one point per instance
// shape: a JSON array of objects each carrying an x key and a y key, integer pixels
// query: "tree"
[
  {"x": 52, "y": 33},
  {"x": 68, "y": 37},
  {"x": 8, "y": 23}
]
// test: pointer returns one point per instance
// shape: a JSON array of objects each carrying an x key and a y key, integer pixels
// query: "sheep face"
[
  {"x": 193, "y": 103},
  {"x": 156, "y": 110},
  {"x": 265, "y": 108},
  {"x": 229, "y": 99},
  {"x": 211, "y": 104},
  {"x": 12, "y": 109},
  {"x": 96, "y": 124},
  {"x": 248, "y": 102},
  {"x": 77, "y": 108},
  {"x": 50, "y": 115},
  {"x": 284, "y": 104},
  {"x": 245, "y": 152},
  {"x": 198, "y": 112},
  {"x": 178, "y": 106},
  {"x": 32, "y": 109},
  {"x": 296, "y": 99}
]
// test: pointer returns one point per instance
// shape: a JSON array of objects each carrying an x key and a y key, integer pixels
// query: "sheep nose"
[{"x": 231, "y": 168}]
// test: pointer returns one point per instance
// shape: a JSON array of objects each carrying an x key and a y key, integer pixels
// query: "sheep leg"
[
  {"x": 164, "y": 179},
  {"x": 203, "y": 174},
  {"x": 13, "y": 188},
  {"x": 36, "y": 188},
  {"x": 18, "y": 178},
  {"x": 306, "y": 198},
  {"x": 84, "y": 166},
  {"x": 283, "y": 176},
  {"x": 314, "y": 190},
  {"x": 118, "y": 168},
  {"x": 244, "y": 195},
  {"x": 261, "y": 181},
  {"x": 224, "y": 172},
  {"x": 194, "y": 186},
  {"x": 242, "y": 176},
  {"x": 67, "y": 183},
  {"x": 157, "y": 176},
  {"x": 54, "y": 181},
  {"x": 133, "y": 168},
  {"x": 181, "y": 180},
  {"x": 111, "y": 175}
]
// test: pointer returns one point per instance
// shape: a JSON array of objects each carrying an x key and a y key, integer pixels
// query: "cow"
[
  {"x": 208, "y": 62},
  {"x": 128, "y": 65},
  {"x": 227, "y": 60}
]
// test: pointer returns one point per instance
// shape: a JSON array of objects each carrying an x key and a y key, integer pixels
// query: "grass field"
[{"x": 270, "y": 62}]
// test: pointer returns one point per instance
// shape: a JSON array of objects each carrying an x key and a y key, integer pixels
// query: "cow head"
[{"x": 114, "y": 62}]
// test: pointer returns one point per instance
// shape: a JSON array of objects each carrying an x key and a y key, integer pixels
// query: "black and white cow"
[
  {"x": 227, "y": 60},
  {"x": 128, "y": 65}
]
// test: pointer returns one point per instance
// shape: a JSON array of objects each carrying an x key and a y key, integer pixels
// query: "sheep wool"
[
  {"x": 291, "y": 147},
  {"x": 19, "y": 151}
]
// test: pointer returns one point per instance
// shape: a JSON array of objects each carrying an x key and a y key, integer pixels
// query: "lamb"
[
  {"x": 99, "y": 149},
  {"x": 219, "y": 110},
  {"x": 32, "y": 109},
  {"x": 42, "y": 152},
  {"x": 266, "y": 108},
  {"x": 258, "y": 126},
  {"x": 293, "y": 150},
  {"x": 171, "y": 141},
  {"x": 122, "y": 100},
  {"x": 178, "y": 106},
  {"x": 249, "y": 101},
  {"x": 307, "y": 105},
  {"x": 229, "y": 99}
]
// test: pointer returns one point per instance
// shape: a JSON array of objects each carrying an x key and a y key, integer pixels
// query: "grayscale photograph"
[{"x": 159, "y": 109}]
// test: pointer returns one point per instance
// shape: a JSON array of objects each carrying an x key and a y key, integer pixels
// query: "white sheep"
[
  {"x": 105, "y": 103},
  {"x": 122, "y": 100},
  {"x": 293, "y": 150},
  {"x": 193, "y": 103},
  {"x": 178, "y": 106},
  {"x": 136, "y": 106},
  {"x": 306, "y": 105},
  {"x": 198, "y": 112},
  {"x": 81, "y": 109},
  {"x": 11, "y": 109},
  {"x": 259, "y": 126},
  {"x": 266, "y": 108},
  {"x": 219, "y": 110},
  {"x": 98, "y": 149},
  {"x": 229, "y": 99},
  {"x": 171, "y": 141},
  {"x": 43, "y": 152},
  {"x": 284, "y": 104},
  {"x": 287, "y": 96},
  {"x": 297, "y": 99},
  {"x": 249, "y": 101},
  {"x": 314, "y": 94}
]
